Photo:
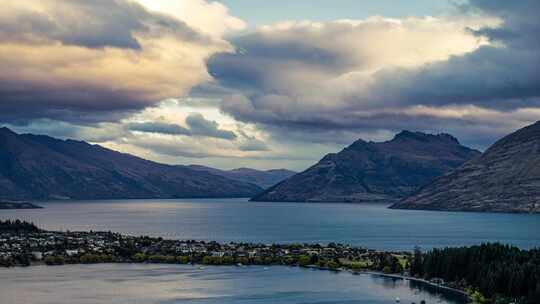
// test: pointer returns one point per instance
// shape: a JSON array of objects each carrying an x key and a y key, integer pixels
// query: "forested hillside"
[{"x": 501, "y": 273}]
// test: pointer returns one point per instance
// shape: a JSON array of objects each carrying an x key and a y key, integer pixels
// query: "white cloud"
[
  {"x": 294, "y": 68},
  {"x": 437, "y": 74},
  {"x": 212, "y": 18},
  {"x": 68, "y": 59}
]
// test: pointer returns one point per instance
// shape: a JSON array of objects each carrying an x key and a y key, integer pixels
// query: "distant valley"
[{"x": 262, "y": 178}]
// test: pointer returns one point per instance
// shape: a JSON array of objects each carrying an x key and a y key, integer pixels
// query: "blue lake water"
[
  {"x": 168, "y": 284},
  {"x": 370, "y": 225}
]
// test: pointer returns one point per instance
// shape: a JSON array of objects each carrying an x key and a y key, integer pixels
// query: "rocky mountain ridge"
[
  {"x": 37, "y": 167},
  {"x": 506, "y": 178},
  {"x": 371, "y": 171}
]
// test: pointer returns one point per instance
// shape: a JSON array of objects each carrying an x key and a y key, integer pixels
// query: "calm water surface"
[
  {"x": 159, "y": 284},
  {"x": 368, "y": 225}
]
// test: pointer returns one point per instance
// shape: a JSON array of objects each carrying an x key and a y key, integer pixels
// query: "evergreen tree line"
[
  {"x": 18, "y": 226},
  {"x": 499, "y": 272}
]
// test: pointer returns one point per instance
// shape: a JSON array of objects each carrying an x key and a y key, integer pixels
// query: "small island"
[
  {"x": 480, "y": 273},
  {"x": 18, "y": 205}
]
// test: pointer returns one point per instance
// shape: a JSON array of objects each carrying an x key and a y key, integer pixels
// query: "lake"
[
  {"x": 168, "y": 284},
  {"x": 369, "y": 225}
]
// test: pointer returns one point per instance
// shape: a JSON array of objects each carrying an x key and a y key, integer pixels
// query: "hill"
[
  {"x": 369, "y": 171},
  {"x": 262, "y": 178},
  {"x": 39, "y": 167},
  {"x": 506, "y": 178}
]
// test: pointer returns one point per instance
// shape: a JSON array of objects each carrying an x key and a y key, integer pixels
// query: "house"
[
  {"x": 72, "y": 252},
  {"x": 37, "y": 255}
]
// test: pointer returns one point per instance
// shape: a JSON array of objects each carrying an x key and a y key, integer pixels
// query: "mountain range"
[
  {"x": 370, "y": 171},
  {"x": 262, "y": 178},
  {"x": 506, "y": 178},
  {"x": 40, "y": 167},
  {"x": 414, "y": 170}
]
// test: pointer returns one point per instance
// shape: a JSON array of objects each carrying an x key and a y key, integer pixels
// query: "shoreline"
[
  {"x": 396, "y": 276},
  {"x": 421, "y": 281},
  {"x": 446, "y": 289}
]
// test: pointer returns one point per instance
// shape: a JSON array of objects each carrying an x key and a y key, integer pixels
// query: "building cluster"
[
  {"x": 86, "y": 247},
  {"x": 38, "y": 245}
]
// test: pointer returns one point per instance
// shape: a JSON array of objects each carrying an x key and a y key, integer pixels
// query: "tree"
[
  {"x": 54, "y": 260},
  {"x": 478, "y": 298},
  {"x": 332, "y": 265},
  {"x": 417, "y": 262},
  {"x": 495, "y": 271},
  {"x": 139, "y": 257},
  {"x": 304, "y": 260},
  {"x": 207, "y": 260},
  {"x": 90, "y": 259},
  {"x": 357, "y": 266},
  {"x": 182, "y": 259}
]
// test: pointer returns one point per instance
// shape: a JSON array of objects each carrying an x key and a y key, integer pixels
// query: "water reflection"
[{"x": 160, "y": 284}]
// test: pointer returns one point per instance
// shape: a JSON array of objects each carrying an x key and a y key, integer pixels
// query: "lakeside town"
[
  {"x": 475, "y": 272},
  {"x": 27, "y": 245}
]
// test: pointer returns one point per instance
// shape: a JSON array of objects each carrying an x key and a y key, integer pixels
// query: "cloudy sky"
[{"x": 266, "y": 84}]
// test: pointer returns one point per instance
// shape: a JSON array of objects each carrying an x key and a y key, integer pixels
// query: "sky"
[
  {"x": 266, "y": 84},
  {"x": 260, "y": 12}
]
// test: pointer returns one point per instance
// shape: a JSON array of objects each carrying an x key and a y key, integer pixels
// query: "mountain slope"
[
  {"x": 41, "y": 167},
  {"x": 368, "y": 171},
  {"x": 506, "y": 178},
  {"x": 263, "y": 179}
]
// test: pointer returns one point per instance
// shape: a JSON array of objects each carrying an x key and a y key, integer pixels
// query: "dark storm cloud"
[
  {"x": 159, "y": 127},
  {"x": 500, "y": 76},
  {"x": 260, "y": 56},
  {"x": 489, "y": 77},
  {"x": 198, "y": 126},
  {"x": 521, "y": 25},
  {"x": 22, "y": 101},
  {"x": 477, "y": 133}
]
